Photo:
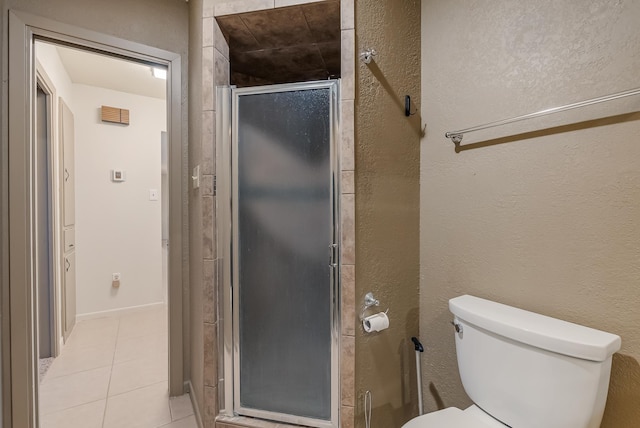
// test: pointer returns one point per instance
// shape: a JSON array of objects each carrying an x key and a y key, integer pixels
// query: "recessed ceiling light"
[{"x": 160, "y": 73}]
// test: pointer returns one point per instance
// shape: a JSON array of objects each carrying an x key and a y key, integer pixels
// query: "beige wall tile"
[
  {"x": 347, "y": 371},
  {"x": 348, "y": 230},
  {"x": 208, "y": 228},
  {"x": 221, "y": 74},
  {"x": 219, "y": 41},
  {"x": 347, "y": 417},
  {"x": 208, "y": 100},
  {"x": 208, "y": 7},
  {"x": 209, "y": 302},
  {"x": 218, "y": 284},
  {"x": 242, "y": 6},
  {"x": 348, "y": 283},
  {"x": 210, "y": 410},
  {"x": 347, "y": 13},
  {"x": 208, "y": 143},
  {"x": 348, "y": 67},
  {"x": 210, "y": 354},
  {"x": 206, "y": 185},
  {"x": 207, "y": 31},
  {"x": 347, "y": 182},
  {"x": 347, "y": 159}
]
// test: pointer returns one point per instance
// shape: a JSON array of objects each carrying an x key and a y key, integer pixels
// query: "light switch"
[
  {"x": 153, "y": 194},
  {"x": 196, "y": 177}
]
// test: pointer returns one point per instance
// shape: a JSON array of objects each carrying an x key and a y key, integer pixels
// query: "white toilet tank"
[{"x": 532, "y": 371}]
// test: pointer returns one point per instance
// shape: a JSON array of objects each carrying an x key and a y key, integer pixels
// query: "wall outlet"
[{"x": 115, "y": 280}]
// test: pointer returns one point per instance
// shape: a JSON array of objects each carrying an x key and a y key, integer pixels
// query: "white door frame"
[{"x": 19, "y": 374}]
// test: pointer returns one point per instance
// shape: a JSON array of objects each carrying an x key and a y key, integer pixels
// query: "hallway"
[{"x": 112, "y": 373}]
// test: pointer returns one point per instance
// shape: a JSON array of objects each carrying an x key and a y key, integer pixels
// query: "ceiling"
[
  {"x": 109, "y": 72},
  {"x": 284, "y": 45}
]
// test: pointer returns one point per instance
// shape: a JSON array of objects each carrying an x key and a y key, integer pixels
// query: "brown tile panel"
[
  {"x": 323, "y": 19},
  {"x": 278, "y": 28},
  {"x": 237, "y": 34},
  {"x": 331, "y": 56},
  {"x": 280, "y": 65},
  {"x": 288, "y": 44}
]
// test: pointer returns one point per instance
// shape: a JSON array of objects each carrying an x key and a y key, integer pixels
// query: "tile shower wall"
[{"x": 215, "y": 71}]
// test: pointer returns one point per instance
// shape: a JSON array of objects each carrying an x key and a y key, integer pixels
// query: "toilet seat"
[{"x": 453, "y": 417}]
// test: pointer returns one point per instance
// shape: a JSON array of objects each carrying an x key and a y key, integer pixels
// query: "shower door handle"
[{"x": 333, "y": 255}]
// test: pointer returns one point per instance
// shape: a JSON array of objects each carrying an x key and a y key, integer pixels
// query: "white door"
[{"x": 67, "y": 141}]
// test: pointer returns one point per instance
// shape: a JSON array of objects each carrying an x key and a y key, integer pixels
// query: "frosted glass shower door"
[{"x": 285, "y": 258}]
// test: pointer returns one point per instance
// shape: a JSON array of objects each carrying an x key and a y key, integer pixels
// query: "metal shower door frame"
[{"x": 229, "y": 235}]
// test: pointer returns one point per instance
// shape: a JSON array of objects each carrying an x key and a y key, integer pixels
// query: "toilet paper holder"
[{"x": 369, "y": 301}]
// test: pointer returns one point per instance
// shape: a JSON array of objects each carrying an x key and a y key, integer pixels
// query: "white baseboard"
[
  {"x": 194, "y": 404},
  {"x": 118, "y": 312}
]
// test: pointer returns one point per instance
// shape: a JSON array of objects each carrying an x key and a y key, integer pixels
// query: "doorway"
[
  {"x": 113, "y": 330},
  {"x": 20, "y": 368},
  {"x": 283, "y": 327}
]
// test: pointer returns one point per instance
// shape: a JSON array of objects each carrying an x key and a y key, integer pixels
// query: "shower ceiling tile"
[
  {"x": 279, "y": 27},
  {"x": 237, "y": 34},
  {"x": 282, "y": 45},
  {"x": 331, "y": 55},
  {"x": 280, "y": 65},
  {"x": 323, "y": 19}
]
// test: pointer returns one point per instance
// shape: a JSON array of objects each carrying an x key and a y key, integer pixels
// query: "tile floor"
[{"x": 112, "y": 373}]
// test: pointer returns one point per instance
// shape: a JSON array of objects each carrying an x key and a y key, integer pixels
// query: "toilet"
[{"x": 525, "y": 370}]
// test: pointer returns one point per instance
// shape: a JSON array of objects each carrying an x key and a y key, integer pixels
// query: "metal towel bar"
[{"x": 456, "y": 136}]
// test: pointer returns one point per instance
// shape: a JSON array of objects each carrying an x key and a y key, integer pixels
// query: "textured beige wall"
[
  {"x": 387, "y": 205},
  {"x": 548, "y": 223}
]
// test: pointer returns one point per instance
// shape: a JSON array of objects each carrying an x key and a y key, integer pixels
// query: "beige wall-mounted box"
[{"x": 114, "y": 115}]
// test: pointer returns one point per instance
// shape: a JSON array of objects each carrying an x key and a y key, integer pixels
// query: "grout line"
[
  {"x": 178, "y": 420},
  {"x": 140, "y": 387},
  {"x": 113, "y": 358}
]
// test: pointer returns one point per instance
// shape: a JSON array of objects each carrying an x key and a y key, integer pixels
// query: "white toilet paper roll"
[{"x": 377, "y": 322}]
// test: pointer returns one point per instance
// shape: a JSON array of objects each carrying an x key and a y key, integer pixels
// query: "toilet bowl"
[
  {"x": 452, "y": 417},
  {"x": 525, "y": 370}
]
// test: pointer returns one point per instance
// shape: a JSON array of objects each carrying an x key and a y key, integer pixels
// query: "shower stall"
[{"x": 278, "y": 231}]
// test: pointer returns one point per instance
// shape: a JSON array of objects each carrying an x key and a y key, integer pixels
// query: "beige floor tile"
[
  {"x": 73, "y": 390},
  {"x": 144, "y": 323},
  {"x": 124, "y": 357},
  {"x": 138, "y": 373},
  {"x": 85, "y": 416},
  {"x": 188, "y": 422},
  {"x": 145, "y": 408},
  {"x": 180, "y": 407},
  {"x": 74, "y": 360},
  {"x": 95, "y": 332},
  {"x": 141, "y": 347}
]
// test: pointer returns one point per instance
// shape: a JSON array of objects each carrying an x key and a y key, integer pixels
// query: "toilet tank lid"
[{"x": 537, "y": 330}]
